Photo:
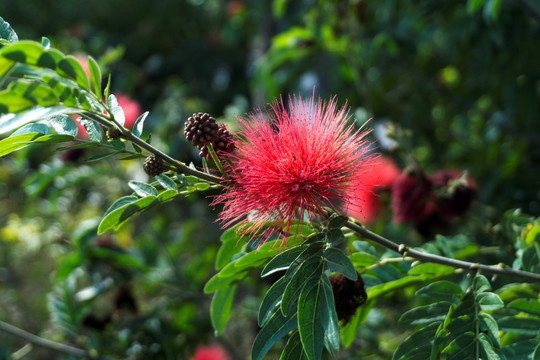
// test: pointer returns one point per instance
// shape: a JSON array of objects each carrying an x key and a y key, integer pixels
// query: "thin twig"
[
  {"x": 431, "y": 258},
  {"x": 128, "y": 135},
  {"x": 34, "y": 339}
]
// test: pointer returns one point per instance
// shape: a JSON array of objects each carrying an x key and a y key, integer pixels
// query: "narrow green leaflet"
[
  {"x": 102, "y": 156},
  {"x": 95, "y": 76},
  {"x": 63, "y": 125},
  {"x": 282, "y": 261},
  {"x": 426, "y": 314},
  {"x": 309, "y": 319},
  {"x": 293, "y": 349},
  {"x": 221, "y": 306},
  {"x": 271, "y": 300},
  {"x": 138, "y": 127},
  {"x": 121, "y": 202},
  {"x": 530, "y": 306},
  {"x": 116, "y": 110},
  {"x": 232, "y": 244},
  {"x": 24, "y": 51},
  {"x": 117, "y": 217},
  {"x": 418, "y": 345},
  {"x": 70, "y": 67},
  {"x": 442, "y": 289},
  {"x": 489, "y": 301},
  {"x": 525, "y": 326},
  {"x": 93, "y": 129},
  {"x": 337, "y": 261},
  {"x": 276, "y": 328},
  {"x": 16, "y": 142},
  {"x": 166, "y": 182},
  {"x": 32, "y": 128},
  {"x": 311, "y": 268},
  {"x": 142, "y": 189},
  {"x": 7, "y": 32},
  {"x": 362, "y": 260},
  {"x": 329, "y": 317}
]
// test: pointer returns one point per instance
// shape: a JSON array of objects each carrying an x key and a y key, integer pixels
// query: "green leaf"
[
  {"x": 432, "y": 269},
  {"x": 276, "y": 328},
  {"x": 70, "y": 66},
  {"x": 337, "y": 261},
  {"x": 167, "y": 195},
  {"x": 282, "y": 261},
  {"x": 474, "y": 5},
  {"x": 461, "y": 346},
  {"x": 202, "y": 186},
  {"x": 329, "y": 317},
  {"x": 309, "y": 319},
  {"x": 46, "y": 43},
  {"x": 362, "y": 260},
  {"x": 32, "y": 128},
  {"x": 526, "y": 326},
  {"x": 95, "y": 76},
  {"x": 490, "y": 327},
  {"x": 444, "y": 290},
  {"x": 116, "y": 110},
  {"x": 16, "y": 142},
  {"x": 519, "y": 350},
  {"x": 138, "y": 127},
  {"x": 271, "y": 300},
  {"x": 23, "y": 51},
  {"x": 312, "y": 267},
  {"x": 426, "y": 314},
  {"x": 7, "y": 32},
  {"x": 53, "y": 139},
  {"x": 489, "y": 352},
  {"x": 102, "y": 156},
  {"x": 293, "y": 349},
  {"x": 529, "y": 306},
  {"x": 166, "y": 182},
  {"x": 221, "y": 306},
  {"x": 417, "y": 345},
  {"x": 63, "y": 125},
  {"x": 232, "y": 243},
  {"x": 335, "y": 236},
  {"x": 121, "y": 202},
  {"x": 118, "y": 216},
  {"x": 489, "y": 301},
  {"x": 50, "y": 59},
  {"x": 93, "y": 129},
  {"x": 142, "y": 189},
  {"x": 5, "y": 66},
  {"x": 481, "y": 284}
]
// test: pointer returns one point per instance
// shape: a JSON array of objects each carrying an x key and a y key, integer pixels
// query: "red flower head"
[
  {"x": 210, "y": 352},
  {"x": 292, "y": 166},
  {"x": 372, "y": 177}
]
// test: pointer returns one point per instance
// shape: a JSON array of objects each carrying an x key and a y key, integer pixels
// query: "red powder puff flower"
[
  {"x": 291, "y": 167},
  {"x": 210, "y": 352},
  {"x": 373, "y": 178}
]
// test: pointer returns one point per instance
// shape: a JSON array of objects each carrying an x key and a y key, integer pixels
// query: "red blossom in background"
[
  {"x": 292, "y": 166},
  {"x": 210, "y": 352},
  {"x": 373, "y": 178},
  {"x": 431, "y": 202}
]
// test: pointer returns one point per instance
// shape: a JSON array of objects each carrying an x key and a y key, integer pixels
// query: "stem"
[
  {"x": 218, "y": 163},
  {"x": 436, "y": 259},
  {"x": 62, "y": 348},
  {"x": 181, "y": 167}
]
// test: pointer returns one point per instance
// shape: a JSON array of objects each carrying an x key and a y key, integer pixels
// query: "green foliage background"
[{"x": 462, "y": 78}]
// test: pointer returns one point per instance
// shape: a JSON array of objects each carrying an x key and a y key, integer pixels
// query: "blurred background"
[{"x": 449, "y": 85}]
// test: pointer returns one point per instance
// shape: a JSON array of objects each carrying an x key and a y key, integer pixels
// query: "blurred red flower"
[
  {"x": 210, "y": 352},
  {"x": 292, "y": 166},
  {"x": 373, "y": 178},
  {"x": 431, "y": 202}
]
